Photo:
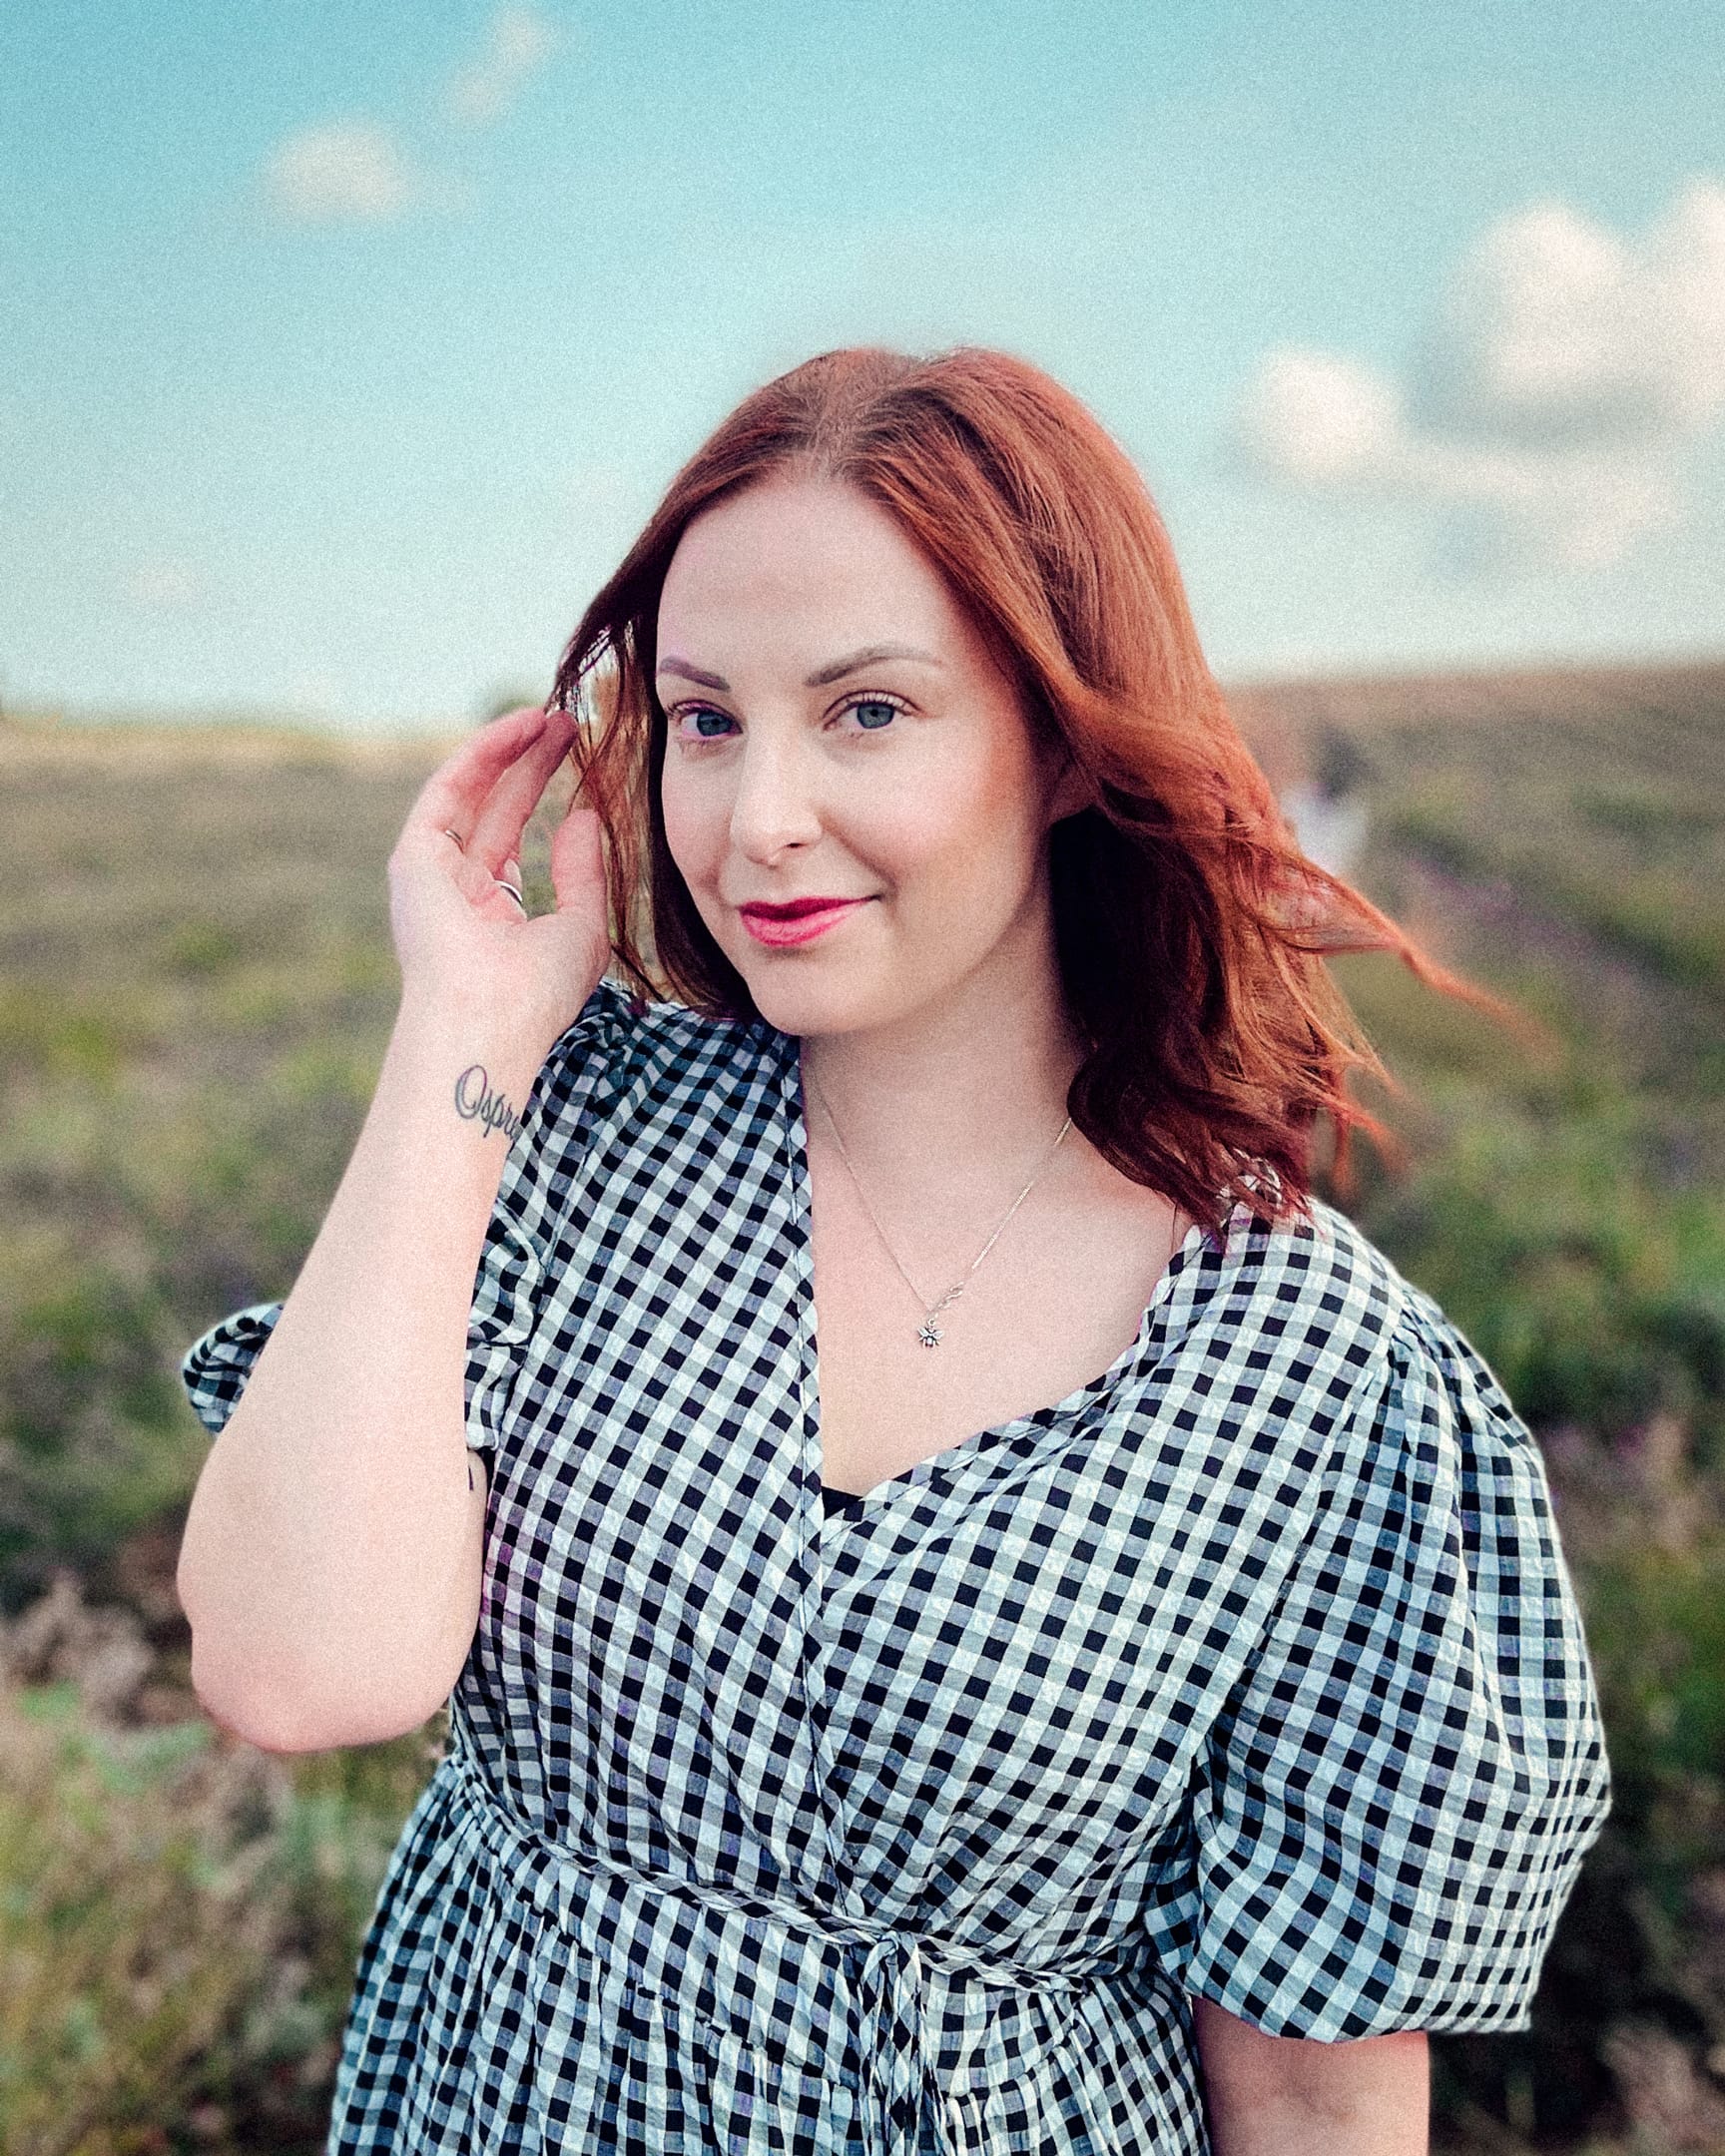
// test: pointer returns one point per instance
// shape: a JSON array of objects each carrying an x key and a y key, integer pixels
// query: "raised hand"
[{"x": 466, "y": 945}]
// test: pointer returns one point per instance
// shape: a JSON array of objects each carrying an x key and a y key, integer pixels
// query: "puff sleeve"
[
  {"x": 1391, "y": 1810},
  {"x": 537, "y": 1178}
]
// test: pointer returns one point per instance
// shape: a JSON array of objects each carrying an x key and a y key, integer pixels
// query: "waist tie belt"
[{"x": 889, "y": 2022}]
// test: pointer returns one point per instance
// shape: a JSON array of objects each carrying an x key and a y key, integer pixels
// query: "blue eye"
[{"x": 875, "y": 715}]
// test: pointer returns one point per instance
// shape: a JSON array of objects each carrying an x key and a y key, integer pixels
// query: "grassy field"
[{"x": 198, "y": 986}]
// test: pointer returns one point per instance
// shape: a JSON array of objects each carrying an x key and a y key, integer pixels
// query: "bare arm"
[
  {"x": 330, "y": 1565},
  {"x": 331, "y": 1562},
  {"x": 1294, "y": 2096}
]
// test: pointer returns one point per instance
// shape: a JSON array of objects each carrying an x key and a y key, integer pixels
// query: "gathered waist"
[{"x": 891, "y": 1980}]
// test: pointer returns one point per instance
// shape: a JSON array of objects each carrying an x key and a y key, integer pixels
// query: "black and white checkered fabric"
[{"x": 1252, "y": 1670}]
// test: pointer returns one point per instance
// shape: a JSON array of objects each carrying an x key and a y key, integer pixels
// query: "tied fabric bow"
[{"x": 901, "y": 2091}]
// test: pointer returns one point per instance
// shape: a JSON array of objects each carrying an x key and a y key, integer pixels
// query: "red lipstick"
[{"x": 795, "y": 920}]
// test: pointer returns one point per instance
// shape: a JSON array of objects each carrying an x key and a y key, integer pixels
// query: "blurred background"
[{"x": 349, "y": 345}]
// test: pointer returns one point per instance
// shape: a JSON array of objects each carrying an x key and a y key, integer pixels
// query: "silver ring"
[
  {"x": 457, "y": 835},
  {"x": 513, "y": 893}
]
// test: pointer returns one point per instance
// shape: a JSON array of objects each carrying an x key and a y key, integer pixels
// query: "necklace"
[{"x": 928, "y": 1333}]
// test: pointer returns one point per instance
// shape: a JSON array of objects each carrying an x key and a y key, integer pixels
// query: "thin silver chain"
[{"x": 928, "y": 1333}]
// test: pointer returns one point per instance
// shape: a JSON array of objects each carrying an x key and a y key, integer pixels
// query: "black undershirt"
[{"x": 841, "y": 1500}]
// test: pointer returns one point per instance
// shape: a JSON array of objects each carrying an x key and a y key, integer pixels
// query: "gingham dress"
[{"x": 1252, "y": 1670}]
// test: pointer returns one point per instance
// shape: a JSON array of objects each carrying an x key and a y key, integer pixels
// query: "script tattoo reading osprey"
[{"x": 476, "y": 1101}]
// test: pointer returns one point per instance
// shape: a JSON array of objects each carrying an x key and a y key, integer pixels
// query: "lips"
[
  {"x": 792, "y": 908},
  {"x": 797, "y": 920}
]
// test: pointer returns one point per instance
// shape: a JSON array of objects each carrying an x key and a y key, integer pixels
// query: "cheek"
[
  {"x": 970, "y": 822},
  {"x": 689, "y": 830}
]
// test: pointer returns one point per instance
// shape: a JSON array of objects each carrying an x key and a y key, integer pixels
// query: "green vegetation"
[
  {"x": 198, "y": 989},
  {"x": 180, "y": 1912},
  {"x": 1565, "y": 843}
]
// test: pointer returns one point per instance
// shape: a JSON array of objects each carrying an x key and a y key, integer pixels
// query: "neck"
[{"x": 944, "y": 1099}]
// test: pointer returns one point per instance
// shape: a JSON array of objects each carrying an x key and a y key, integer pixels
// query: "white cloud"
[
  {"x": 1549, "y": 406},
  {"x": 1318, "y": 419},
  {"x": 518, "y": 42},
  {"x": 342, "y": 171},
  {"x": 357, "y": 170},
  {"x": 1555, "y": 331}
]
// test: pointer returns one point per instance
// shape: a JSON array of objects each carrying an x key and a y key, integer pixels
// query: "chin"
[{"x": 808, "y": 1005}]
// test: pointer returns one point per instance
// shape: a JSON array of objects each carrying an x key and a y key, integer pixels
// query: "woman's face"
[{"x": 837, "y": 729}]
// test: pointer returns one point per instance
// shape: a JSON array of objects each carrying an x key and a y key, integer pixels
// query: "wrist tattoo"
[{"x": 476, "y": 1102}]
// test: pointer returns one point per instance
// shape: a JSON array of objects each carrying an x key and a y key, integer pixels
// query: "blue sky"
[{"x": 346, "y": 344}]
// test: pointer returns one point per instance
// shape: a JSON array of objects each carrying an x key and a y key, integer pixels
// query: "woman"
[{"x": 1124, "y": 1689}]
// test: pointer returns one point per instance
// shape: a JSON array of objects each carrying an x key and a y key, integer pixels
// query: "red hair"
[{"x": 1190, "y": 927}]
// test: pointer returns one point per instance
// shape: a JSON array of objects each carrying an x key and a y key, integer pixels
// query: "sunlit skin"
[
  {"x": 932, "y": 1015},
  {"x": 910, "y": 779}
]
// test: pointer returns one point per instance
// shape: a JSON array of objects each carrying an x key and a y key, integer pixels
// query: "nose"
[{"x": 774, "y": 806}]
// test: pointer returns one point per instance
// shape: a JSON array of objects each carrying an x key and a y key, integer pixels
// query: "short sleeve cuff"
[
  {"x": 215, "y": 1370},
  {"x": 1395, "y": 1805}
]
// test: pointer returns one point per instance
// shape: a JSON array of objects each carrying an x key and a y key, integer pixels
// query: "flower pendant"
[{"x": 928, "y": 1333}]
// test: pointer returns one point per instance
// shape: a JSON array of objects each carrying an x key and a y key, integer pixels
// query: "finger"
[
  {"x": 497, "y": 834},
  {"x": 451, "y": 803},
  {"x": 503, "y": 814},
  {"x": 451, "y": 798},
  {"x": 577, "y": 857}
]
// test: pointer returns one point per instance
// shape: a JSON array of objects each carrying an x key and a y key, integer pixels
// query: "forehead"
[{"x": 790, "y": 561}]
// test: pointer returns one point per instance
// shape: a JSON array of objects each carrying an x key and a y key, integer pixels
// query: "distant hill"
[
  {"x": 1574, "y": 813},
  {"x": 1564, "y": 826},
  {"x": 1288, "y": 723}
]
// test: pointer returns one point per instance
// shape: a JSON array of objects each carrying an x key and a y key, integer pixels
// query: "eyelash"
[{"x": 681, "y": 712}]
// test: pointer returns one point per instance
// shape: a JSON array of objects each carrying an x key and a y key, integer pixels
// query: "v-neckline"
[{"x": 951, "y": 1458}]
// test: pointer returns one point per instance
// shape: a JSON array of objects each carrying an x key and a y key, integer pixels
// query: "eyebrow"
[{"x": 821, "y": 678}]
